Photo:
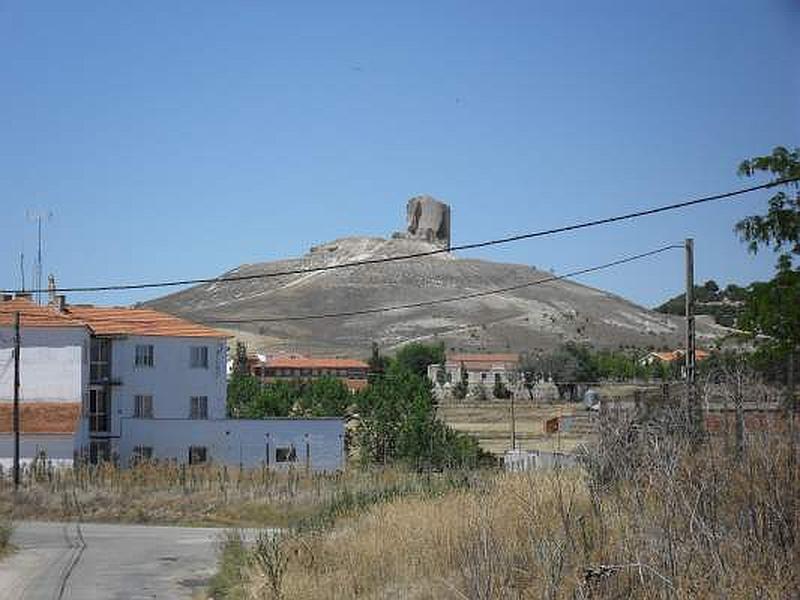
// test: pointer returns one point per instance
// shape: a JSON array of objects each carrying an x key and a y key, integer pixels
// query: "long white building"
[{"x": 122, "y": 384}]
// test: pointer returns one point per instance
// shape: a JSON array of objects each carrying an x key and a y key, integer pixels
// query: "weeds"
[{"x": 649, "y": 515}]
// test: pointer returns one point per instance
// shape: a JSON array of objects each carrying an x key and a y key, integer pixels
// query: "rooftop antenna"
[
  {"x": 22, "y": 270},
  {"x": 39, "y": 216}
]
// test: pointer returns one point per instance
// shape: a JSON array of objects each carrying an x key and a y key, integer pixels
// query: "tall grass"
[
  {"x": 651, "y": 515},
  {"x": 6, "y": 529},
  {"x": 209, "y": 494}
]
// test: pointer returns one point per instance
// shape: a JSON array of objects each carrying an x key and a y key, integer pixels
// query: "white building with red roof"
[{"x": 124, "y": 384}]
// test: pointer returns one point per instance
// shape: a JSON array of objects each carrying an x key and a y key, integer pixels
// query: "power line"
[
  {"x": 424, "y": 303},
  {"x": 372, "y": 261}
]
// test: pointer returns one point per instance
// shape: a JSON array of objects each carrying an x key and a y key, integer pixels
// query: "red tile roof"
[
  {"x": 138, "y": 321},
  {"x": 34, "y": 315},
  {"x": 41, "y": 417},
  {"x": 304, "y": 362},
  {"x": 103, "y": 320}
]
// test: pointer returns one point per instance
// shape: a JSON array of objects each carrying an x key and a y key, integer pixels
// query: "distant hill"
[
  {"x": 724, "y": 305},
  {"x": 525, "y": 319}
]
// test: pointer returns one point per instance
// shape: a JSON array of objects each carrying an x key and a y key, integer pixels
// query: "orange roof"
[
  {"x": 679, "y": 354},
  {"x": 34, "y": 315},
  {"x": 138, "y": 321},
  {"x": 41, "y": 417},
  {"x": 304, "y": 362}
]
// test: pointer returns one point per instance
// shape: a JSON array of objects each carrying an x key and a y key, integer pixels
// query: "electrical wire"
[
  {"x": 387, "y": 259},
  {"x": 424, "y": 303}
]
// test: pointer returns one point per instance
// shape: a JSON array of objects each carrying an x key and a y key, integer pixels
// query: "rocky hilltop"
[{"x": 541, "y": 316}]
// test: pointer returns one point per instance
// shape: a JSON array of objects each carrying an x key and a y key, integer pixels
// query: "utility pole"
[
  {"x": 692, "y": 401},
  {"x": 513, "y": 424},
  {"x": 16, "y": 400}
]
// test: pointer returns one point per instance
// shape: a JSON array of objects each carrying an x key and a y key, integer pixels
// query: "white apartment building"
[{"x": 122, "y": 384}]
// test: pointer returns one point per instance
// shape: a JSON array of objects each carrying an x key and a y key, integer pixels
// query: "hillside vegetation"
[{"x": 724, "y": 304}]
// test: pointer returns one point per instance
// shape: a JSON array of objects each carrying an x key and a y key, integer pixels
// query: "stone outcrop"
[{"x": 429, "y": 220}]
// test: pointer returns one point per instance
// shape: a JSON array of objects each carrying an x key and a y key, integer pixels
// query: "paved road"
[{"x": 107, "y": 562}]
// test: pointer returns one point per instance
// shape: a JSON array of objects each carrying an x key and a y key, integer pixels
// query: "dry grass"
[
  {"x": 669, "y": 521},
  {"x": 206, "y": 495}
]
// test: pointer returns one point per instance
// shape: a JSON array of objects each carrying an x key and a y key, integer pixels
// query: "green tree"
[
  {"x": 772, "y": 307},
  {"x": 416, "y": 356},
  {"x": 324, "y": 397},
  {"x": 243, "y": 392},
  {"x": 780, "y": 227},
  {"x": 398, "y": 423},
  {"x": 240, "y": 363}
]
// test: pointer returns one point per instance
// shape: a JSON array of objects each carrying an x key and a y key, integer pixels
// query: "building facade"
[
  {"x": 481, "y": 372},
  {"x": 295, "y": 367},
  {"x": 139, "y": 384}
]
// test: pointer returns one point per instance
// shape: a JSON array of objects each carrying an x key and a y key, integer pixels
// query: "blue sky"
[{"x": 180, "y": 139}]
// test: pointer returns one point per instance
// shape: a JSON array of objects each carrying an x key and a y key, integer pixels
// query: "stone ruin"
[{"x": 428, "y": 220}]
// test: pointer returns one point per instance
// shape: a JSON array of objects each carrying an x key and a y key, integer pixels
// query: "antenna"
[
  {"x": 22, "y": 270},
  {"x": 39, "y": 216}
]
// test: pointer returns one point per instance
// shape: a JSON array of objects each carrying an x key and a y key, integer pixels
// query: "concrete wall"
[
  {"x": 170, "y": 381},
  {"x": 58, "y": 448},
  {"x": 53, "y": 363},
  {"x": 234, "y": 441}
]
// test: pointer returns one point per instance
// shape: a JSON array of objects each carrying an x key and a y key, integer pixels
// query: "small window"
[
  {"x": 198, "y": 407},
  {"x": 198, "y": 357},
  {"x": 285, "y": 454},
  {"x": 497, "y": 378},
  {"x": 198, "y": 455},
  {"x": 483, "y": 376},
  {"x": 144, "y": 355},
  {"x": 143, "y": 407},
  {"x": 141, "y": 454}
]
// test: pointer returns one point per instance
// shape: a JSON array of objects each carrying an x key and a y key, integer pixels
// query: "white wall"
[
  {"x": 170, "y": 381},
  {"x": 234, "y": 441},
  {"x": 52, "y": 365},
  {"x": 58, "y": 448}
]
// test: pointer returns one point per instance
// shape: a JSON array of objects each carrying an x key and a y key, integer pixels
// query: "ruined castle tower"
[{"x": 429, "y": 220}]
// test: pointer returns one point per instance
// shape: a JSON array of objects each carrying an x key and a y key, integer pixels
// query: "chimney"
[
  {"x": 61, "y": 303},
  {"x": 51, "y": 289}
]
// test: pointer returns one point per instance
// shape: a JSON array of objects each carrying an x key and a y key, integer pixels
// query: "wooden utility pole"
[
  {"x": 692, "y": 401},
  {"x": 16, "y": 400},
  {"x": 513, "y": 424}
]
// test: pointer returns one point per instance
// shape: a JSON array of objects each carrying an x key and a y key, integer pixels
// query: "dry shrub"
[{"x": 652, "y": 515}]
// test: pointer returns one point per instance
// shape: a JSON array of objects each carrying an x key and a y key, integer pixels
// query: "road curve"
[{"x": 107, "y": 562}]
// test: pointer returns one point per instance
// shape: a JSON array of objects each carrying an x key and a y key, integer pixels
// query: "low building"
[
  {"x": 671, "y": 357},
  {"x": 123, "y": 384},
  {"x": 295, "y": 367},
  {"x": 483, "y": 371}
]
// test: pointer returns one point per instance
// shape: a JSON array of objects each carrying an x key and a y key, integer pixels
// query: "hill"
[{"x": 537, "y": 317}]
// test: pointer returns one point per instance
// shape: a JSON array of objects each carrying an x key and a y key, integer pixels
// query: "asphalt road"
[{"x": 108, "y": 562}]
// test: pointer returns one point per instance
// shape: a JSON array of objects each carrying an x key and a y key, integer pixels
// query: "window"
[
  {"x": 100, "y": 359},
  {"x": 497, "y": 378},
  {"x": 98, "y": 412},
  {"x": 143, "y": 407},
  {"x": 198, "y": 357},
  {"x": 144, "y": 355},
  {"x": 141, "y": 454},
  {"x": 99, "y": 451},
  {"x": 285, "y": 454},
  {"x": 198, "y": 407},
  {"x": 483, "y": 376},
  {"x": 198, "y": 455}
]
